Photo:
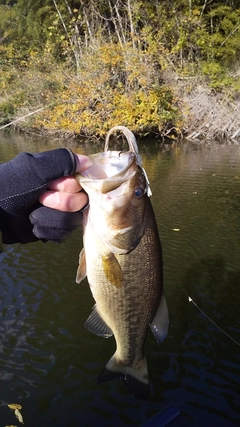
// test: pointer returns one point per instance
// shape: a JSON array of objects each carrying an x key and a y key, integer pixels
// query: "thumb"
[{"x": 82, "y": 162}]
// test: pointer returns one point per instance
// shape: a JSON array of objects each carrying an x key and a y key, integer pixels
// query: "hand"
[
  {"x": 64, "y": 193},
  {"x": 48, "y": 178}
]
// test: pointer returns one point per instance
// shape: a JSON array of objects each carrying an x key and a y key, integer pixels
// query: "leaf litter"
[{"x": 16, "y": 408}]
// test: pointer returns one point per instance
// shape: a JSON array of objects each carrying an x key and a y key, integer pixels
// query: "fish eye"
[{"x": 139, "y": 192}]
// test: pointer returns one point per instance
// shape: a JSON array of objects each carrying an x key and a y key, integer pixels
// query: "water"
[{"x": 50, "y": 364}]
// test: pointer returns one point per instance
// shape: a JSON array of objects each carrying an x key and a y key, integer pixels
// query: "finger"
[
  {"x": 64, "y": 202},
  {"x": 82, "y": 162},
  {"x": 51, "y": 224},
  {"x": 66, "y": 184}
]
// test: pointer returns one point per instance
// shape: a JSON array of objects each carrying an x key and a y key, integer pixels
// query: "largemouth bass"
[{"x": 122, "y": 259}]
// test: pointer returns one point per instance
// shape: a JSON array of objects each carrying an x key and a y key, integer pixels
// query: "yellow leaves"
[
  {"x": 196, "y": 12},
  {"x": 114, "y": 85},
  {"x": 19, "y": 416},
  {"x": 16, "y": 407},
  {"x": 111, "y": 54},
  {"x": 98, "y": 109}
]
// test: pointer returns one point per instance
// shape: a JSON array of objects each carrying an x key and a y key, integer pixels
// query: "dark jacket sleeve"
[{"x": 22, "y": 181}]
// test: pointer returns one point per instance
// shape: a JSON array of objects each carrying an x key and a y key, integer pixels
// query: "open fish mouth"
[
  {"x": 111, "y": 169},
  {"x": 108, "y": 171},
  {"x": 108, "y": 164}
]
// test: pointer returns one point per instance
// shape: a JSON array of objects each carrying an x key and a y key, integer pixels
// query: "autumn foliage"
[{"x": 92, "y": 65}]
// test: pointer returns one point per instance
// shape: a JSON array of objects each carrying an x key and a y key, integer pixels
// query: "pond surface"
[{"x": 50, "y": 364}]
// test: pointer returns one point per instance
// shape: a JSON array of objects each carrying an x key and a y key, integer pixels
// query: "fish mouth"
[
  {"x": 108, "y": 171},
  {"x": 109, "y": 164}
]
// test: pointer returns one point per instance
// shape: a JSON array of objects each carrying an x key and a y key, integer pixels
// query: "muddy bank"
[{"x": 208, "y": 115}]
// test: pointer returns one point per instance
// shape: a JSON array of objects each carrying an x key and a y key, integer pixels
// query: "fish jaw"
[{"x": 118, "y": 217}]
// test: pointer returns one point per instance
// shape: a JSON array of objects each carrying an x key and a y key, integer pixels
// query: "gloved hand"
[{"x": 23, "y": 181}]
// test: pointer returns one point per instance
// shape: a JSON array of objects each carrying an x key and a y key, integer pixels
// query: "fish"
[{"x": 122, "y": 260}]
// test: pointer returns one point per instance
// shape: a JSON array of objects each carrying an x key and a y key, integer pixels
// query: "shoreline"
[{"x": 206, "y": 115}]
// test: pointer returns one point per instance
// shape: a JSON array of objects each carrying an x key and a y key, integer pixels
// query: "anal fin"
[
  {"x": 96, "y": 324},
  {"x": 159, "y": 325}
]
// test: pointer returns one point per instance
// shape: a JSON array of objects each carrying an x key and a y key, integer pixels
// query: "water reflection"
[{"x": 50, "y": 364}]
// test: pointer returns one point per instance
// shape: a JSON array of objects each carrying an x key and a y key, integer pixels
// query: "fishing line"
[{"x": 218, "y": 327}]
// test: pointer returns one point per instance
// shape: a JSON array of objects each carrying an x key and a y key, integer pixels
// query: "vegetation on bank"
[{"x": 93, "y": 65}]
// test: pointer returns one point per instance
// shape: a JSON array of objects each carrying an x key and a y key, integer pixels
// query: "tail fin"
[{"x": 135, "y": 378}]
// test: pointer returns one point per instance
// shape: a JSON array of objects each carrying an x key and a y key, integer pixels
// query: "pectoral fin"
[
  {"x": 96, "y": 324},
  {"x": 159, "y": 325},
  {"x": 112, "y": 270},
  {"x": 82, "y": 269}
]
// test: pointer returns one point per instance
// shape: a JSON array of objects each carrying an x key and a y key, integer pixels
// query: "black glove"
[{"x": 22, "y": 180}]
